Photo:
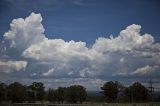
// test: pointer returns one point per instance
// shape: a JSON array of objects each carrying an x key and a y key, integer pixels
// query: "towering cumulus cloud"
[
  {"x": 25, "y": 32},
  {"x": 128, "y": 54}
]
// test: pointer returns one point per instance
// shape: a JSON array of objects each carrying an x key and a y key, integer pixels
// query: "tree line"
[
  {"x": 18, "y": 93},
  {"x": 116, "y": 92},
  {"x": 112, "y": 91}
]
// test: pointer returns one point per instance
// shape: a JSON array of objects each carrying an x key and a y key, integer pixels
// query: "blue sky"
[
  {"x": 85, "y": 20},
  {"x": 65, "y": 42}
]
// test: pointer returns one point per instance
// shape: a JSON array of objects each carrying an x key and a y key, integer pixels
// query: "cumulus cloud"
[
  {"x": 9, "y": 66},
  {"x": 127, "y": 40},
  {"x": 56, "y": 49},
  {"x": 25, "y": 32},
  {"x": 129, "y": 53}
]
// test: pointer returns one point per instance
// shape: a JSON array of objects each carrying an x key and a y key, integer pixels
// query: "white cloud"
[
  {"x": 107, "y": 57},
  {"x": 49, "y": 72},
  {"x": 25, "y": 32},
  {"x": 121, "y": 60},
  {"x": 70, "y": 73},
  {"x": 9, "y": 66},
  {"x": 33, "y": 74},
  {"x": 146, "y": 70},
  {"x": 56, "y": 49},
  {"x": 85, "y": 72},
  {"x": 127, "y": 40}
]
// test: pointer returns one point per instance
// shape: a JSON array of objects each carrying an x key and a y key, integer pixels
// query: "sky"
[{"x": 86, "y": 42}]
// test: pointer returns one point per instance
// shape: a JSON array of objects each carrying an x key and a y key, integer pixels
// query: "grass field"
[{"x": 94, "y": 104}]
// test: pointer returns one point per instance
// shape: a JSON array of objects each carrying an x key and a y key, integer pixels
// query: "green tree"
[
  {"x": 60, "y": 94},
  {"x": 127, "y": 94},
  {"x": 38, "y": 89},
  {"x": 51, "y": 95},
  {"x": 75, "y": 93},
  {"x": 30, "y": 95},
  {"x": 2, "y": 91},
  {"x": 16, "y": 92},
  {"x": 138, "y": 92},
  {"x": 110, "y": 90},
  {"x": 82, "y": 93}
]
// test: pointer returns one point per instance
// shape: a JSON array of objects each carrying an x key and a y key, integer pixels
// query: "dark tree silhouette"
[
  {"x": 38, "y": 89},
  {"x": 75, "y": 93},
  {"x": 60, "y": 94},
  {"x": 16, "y": 92},
  {"x": 51, "y": 95},
  {"x": 3, "y": 91},
  {"x": 110, "y": 90},
  {"x": 138, "y": 92},
  {"x": 30, "y": 95},
  {"x": 127, "y": 94}
]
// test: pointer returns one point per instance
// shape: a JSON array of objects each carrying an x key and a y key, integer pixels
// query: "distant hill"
[
  {"x": 95, "y": 96},
  {"x": 157, "y": 93},
  {"x": 94, "y": 93}
]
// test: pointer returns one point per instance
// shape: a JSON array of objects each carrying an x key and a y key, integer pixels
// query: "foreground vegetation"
[
  {"x": 95, "y": 104},
  {"x": 112, "y": 92}
]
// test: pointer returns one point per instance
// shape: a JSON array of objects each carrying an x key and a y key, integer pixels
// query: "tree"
[
  {"x": 2, "y": 92},
  {"x": 30, "y": 97},
  {"x": 110, "y": 90},
  {"x": 127, "y": 94},
  {"x": 60, "y": 94},
  {"x": 16, "y": 92},
  {"x": 75, "y": 93},
  {"x": 38, "y": 89},
  {"x": 82, "y": 93},
  {"x": 51, "y": 95},
  {"x": 138, "y": 92}
]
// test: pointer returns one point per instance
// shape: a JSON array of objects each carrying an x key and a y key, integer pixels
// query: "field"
[{"x": 109, "y": 104}]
